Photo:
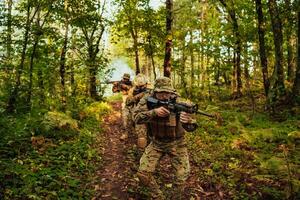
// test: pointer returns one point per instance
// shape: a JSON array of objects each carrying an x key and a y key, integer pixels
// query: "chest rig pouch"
[{"x": 164, "y": 127}]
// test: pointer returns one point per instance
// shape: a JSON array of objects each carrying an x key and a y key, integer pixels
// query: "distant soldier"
[
  {"x": 167, "y": 130},
  {"x": 135, "y": 94},
  {"x": 123, "y": 86}
]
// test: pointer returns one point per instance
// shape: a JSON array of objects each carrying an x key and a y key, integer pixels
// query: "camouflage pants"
[
  {"x": 125, "y": 111},
  {"x": 127, "y": 119},
  {"x": 141, "y": 130},
  {"x": 177, "y": 150}
]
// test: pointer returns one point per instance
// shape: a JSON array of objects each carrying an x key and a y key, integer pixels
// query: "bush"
[
  {"x": 59, "y": 125},
  {"x": 97, "y": 110}
]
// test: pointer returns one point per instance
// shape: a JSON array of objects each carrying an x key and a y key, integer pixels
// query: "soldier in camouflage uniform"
[
  {"x": 134, "y": 96},
  {"x": 123, "y": 86},
  {"x": 167, "y": 130}
]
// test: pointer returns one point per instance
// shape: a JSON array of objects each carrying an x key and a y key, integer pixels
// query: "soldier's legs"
[
  {"x": 127, "y": 122},
  {"x": 124, "y": 110},
  {"x": 180, "y": 162},
  {"x": 148, "y": 163}
]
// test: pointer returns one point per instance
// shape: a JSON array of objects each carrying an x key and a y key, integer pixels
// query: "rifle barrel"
[{"x": 204, "y": 113}]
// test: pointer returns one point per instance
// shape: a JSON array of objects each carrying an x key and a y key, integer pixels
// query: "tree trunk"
[
  {"x": 8, "y": 40},
  {"x": 135, "y": 47},
  {"x": 278, "y": 89},
  {"x": 182, "y": 71},
  {"x": 72, "y": 80},
  {"x": 41, "y": 87},
  {"x": 136, "y": 51},
  {"x": 289, "y": 42},
  {"x": 62, "y": 68},
  {"x": 237, "y": 47},
  {"x": 93, "y": 43},
  {"x": 262, "y": 46},
  {"x": 201, "y": 40},
  {"x": 168, "y": 47},
  {"x": 208, "y": 76},
  {"x": 38, "y": 34},
  {"x": 92, "y": 74},
  {"x": 13, "y": 96},
  {"x": 247, "y": 77},
  {"x": 192, "y": 63},
  {"x": 151, "y": 55},
  {"x": 33, "y": 55},
  {"x": 296, "y": 86},
  {"x": 202, "y": 70},
  {"x": 233, "y": 85},
  {"x": 238, "y": 61}
]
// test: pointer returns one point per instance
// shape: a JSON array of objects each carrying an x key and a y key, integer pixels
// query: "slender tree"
[
  {"x": 278, "y": 88},
  {"x": 168, "y": 44},
  {"x": 296, "y": 86},
  {"x": 62, "y": 69},
  {"x": 237, "y": 47},
  {"x": 132, "y": 17},
  {"x": 289, "y": 21},
  {"x": 31, "y": 11},
  {"x": 38, "y": 32},
  {"x": 262, "y": 46},
  {"x": 9, "y": 32},
  {"x": 92, "y": 35}
]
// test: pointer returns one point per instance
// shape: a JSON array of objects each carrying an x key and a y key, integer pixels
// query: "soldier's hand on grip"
[
  {"x": 139, "y": 96},
  {"x": 185, "y": 118},
  {"x": 162, "y": 112}
]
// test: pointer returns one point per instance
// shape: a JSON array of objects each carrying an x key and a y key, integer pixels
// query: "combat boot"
[{"x": 148, "y": 180}]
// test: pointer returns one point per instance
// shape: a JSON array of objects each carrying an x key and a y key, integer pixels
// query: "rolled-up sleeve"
[{"x": 141, "y": 113}]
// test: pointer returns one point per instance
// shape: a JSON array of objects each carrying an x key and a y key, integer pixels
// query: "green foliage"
[
  {"x": 49, "y": 155},
  {"x": 59, "y": 120},
  {"x": 246, "y": 156},
  {"x": 116, "y": 97},
  {"x": 97, "y": 110}
]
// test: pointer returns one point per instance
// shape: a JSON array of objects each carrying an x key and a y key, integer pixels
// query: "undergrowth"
[
  {"x": 250, "y": 156},
  {"x": 50, "y": 154}
]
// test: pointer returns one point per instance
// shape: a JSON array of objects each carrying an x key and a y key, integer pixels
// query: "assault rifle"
[
  {"x": 139, "y": 90},
  {"x": 117, "y": 85},
  {"x": 109, "y": 82},
  {"x": 176, "y": 107}
]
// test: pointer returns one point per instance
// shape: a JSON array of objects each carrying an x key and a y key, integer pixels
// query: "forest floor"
[
  {"x": 78, "y": 155},
  {"x": 117, "y": 176}
]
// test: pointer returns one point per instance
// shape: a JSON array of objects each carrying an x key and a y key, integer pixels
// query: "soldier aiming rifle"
[
  {"x": 167, "y": 131},
  {"x": 139, "y": 90}
]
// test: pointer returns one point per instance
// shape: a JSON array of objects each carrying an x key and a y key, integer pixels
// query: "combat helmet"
[
  {"x": 126, "y": 76},
  {"x": 140, "y": 80},
  {"x": 164, "y": 84}
]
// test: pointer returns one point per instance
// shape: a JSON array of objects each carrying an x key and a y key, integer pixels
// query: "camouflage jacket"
[
  {"x": 142, "y": 115},
  {"x": 134, "y": 98}
]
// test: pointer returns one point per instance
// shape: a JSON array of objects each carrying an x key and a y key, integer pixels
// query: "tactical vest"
[{"x": 166, "y": 127}]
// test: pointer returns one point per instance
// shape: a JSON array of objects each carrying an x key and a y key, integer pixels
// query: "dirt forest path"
[{"x": 116, "y": 178}]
